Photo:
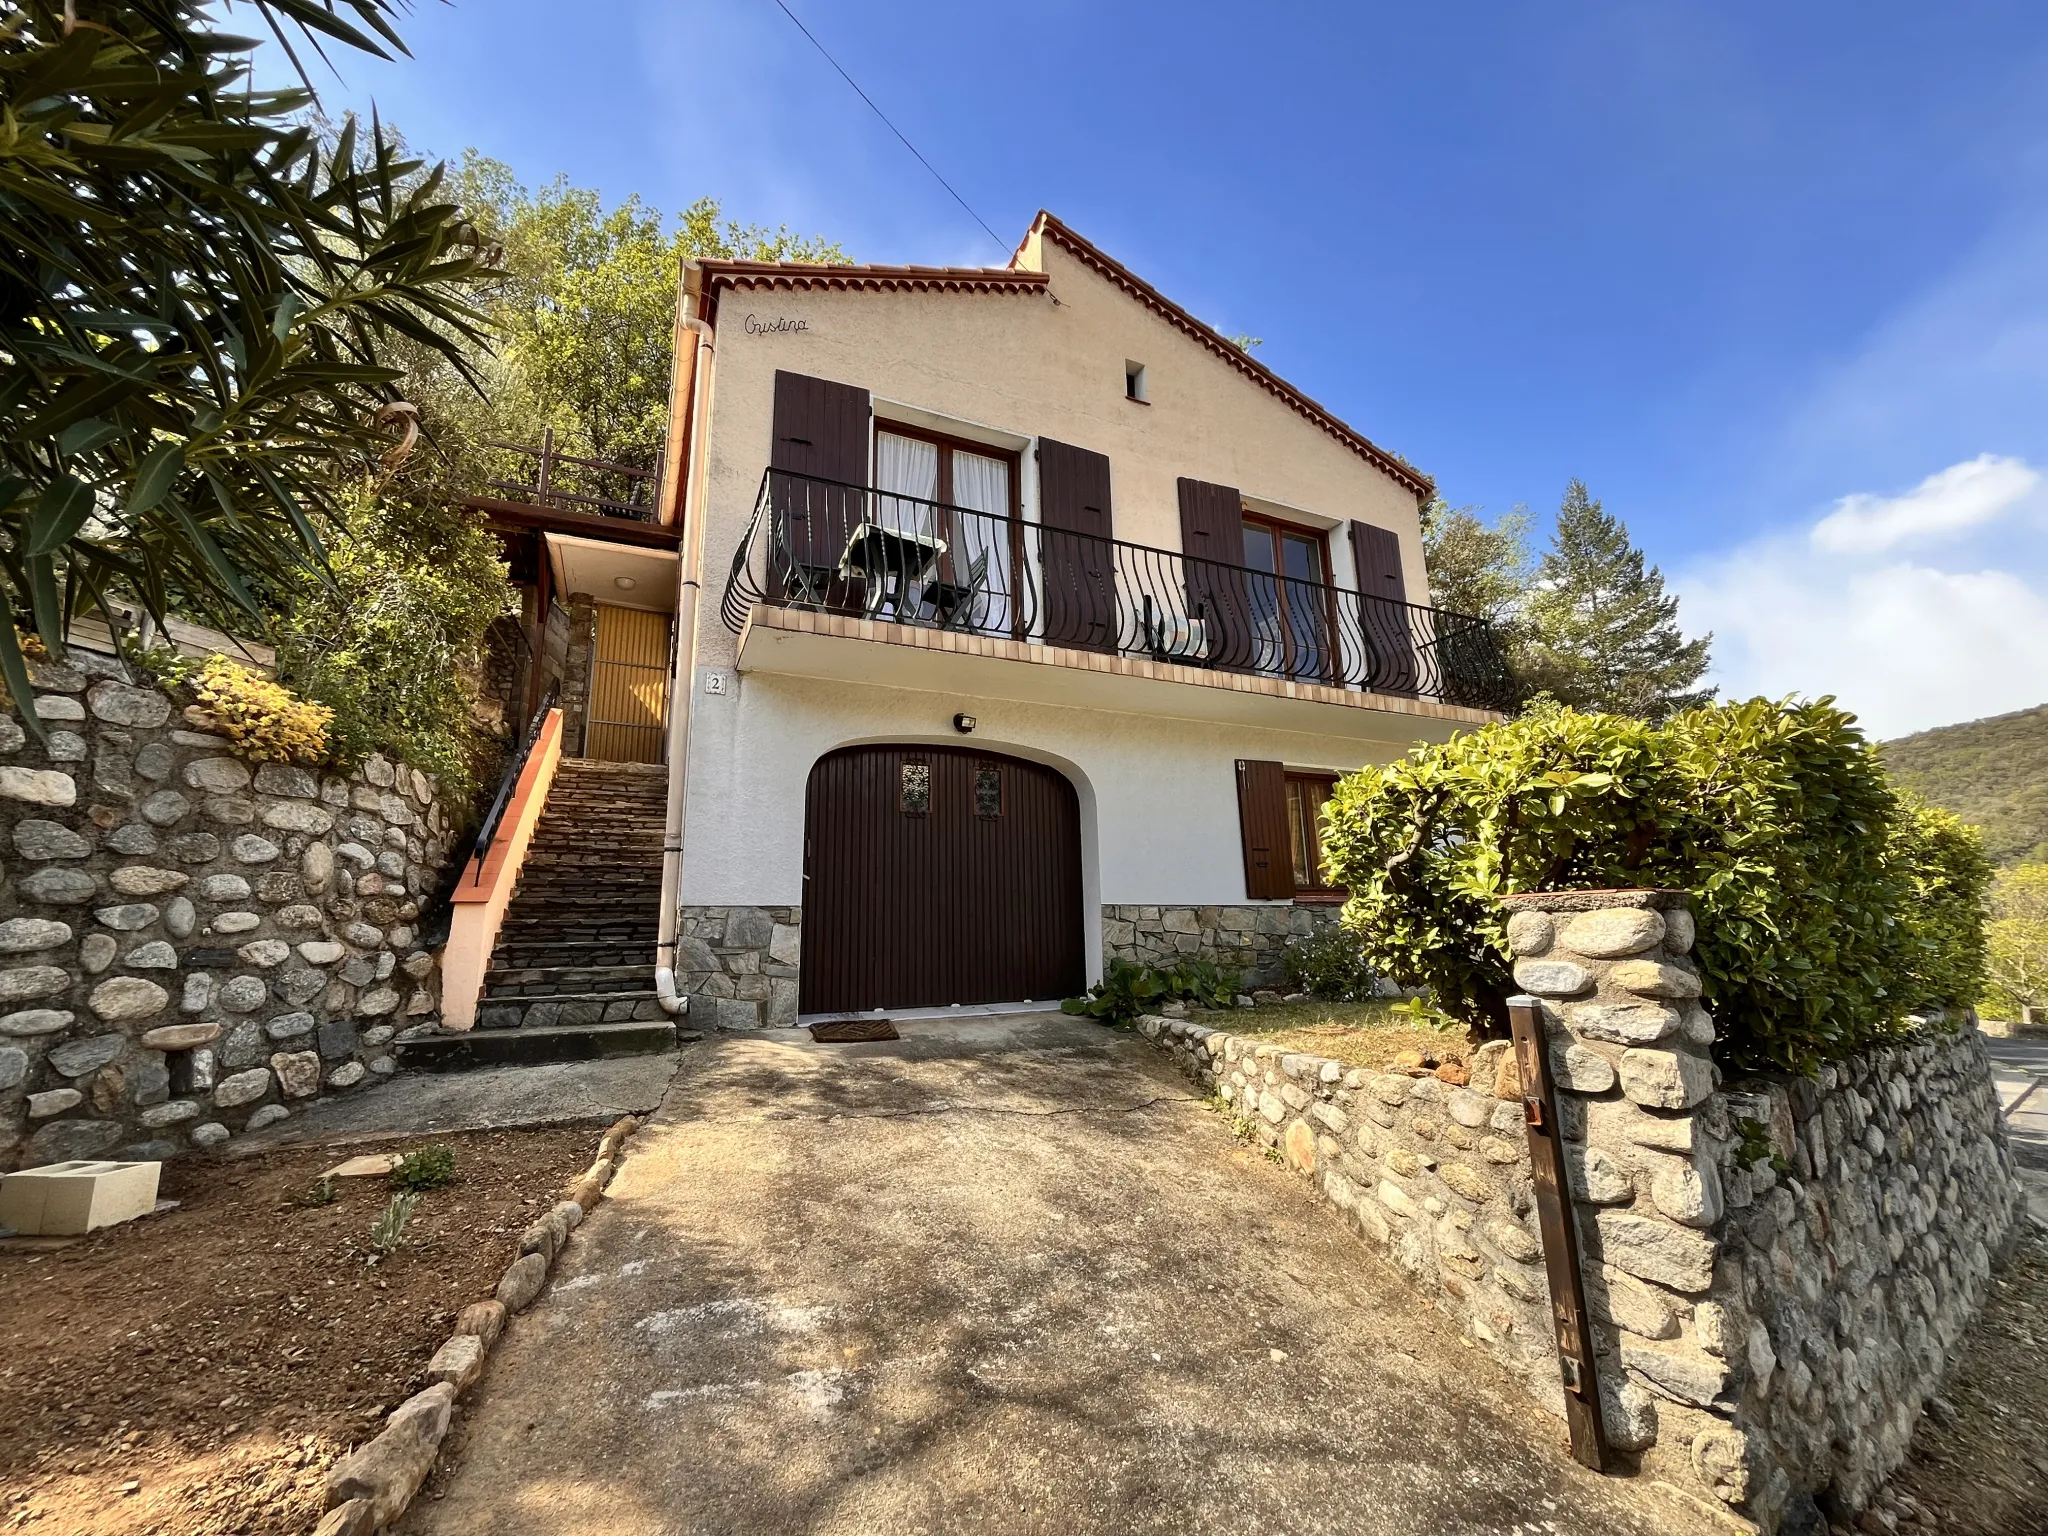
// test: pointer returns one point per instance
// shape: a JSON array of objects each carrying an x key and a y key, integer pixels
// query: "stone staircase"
[{"x": 572, "y": 976}]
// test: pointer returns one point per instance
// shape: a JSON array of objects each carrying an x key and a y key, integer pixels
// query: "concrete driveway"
[{"x": 1005, "y": 1275}]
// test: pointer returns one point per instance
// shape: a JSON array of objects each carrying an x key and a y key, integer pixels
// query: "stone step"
[
  {"x": 461, "y": 1050},
  {"x": 566, "y": 980},
  {"x": 531, "y": 955},
  {"x": 582, "y": 1010}
]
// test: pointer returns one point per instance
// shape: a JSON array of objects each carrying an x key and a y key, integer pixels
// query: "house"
[{"x": 1025, "y": 622}]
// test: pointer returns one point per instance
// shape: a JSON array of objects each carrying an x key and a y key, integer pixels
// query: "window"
[
  {"x": 1306, "y": 795},
  {"x": 950, "y": 508},
  {"x": 988, "y": 792},
  {"x": 1291, "y": 618},
  {"x": 1134, "y": 383},
  {"x": 916, "y": 791}
]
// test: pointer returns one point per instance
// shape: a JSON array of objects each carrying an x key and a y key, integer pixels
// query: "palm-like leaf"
[{"x": 197, "y": 302}]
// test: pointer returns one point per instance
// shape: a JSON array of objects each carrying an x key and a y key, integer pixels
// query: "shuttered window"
[
  {"x": 821, "y": 435},
  {"x": 1384, "y": 617},
  {"x": 1074, "y": 547},
  {"x": 1262, "y": 821}
]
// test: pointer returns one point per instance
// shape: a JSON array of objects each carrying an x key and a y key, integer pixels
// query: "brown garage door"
[{"x": 937, "y": 875}]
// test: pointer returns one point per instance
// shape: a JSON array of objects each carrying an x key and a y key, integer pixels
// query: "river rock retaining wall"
[
  {"x": 1860, "y": 1266},
  {"x": 1778, "y": 1271},
  {"x": 190, "y": 943},
  {"x": 1248, "y": 939}
]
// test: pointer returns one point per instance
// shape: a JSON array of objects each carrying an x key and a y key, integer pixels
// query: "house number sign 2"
[{"x": 775, "y": 325}]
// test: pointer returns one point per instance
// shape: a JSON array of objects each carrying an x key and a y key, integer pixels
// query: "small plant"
[
  {"x": 266, "y": 722},
  {"x": 428, "y": 1168},
  {"x": 1756, "y": 1147},
  {"x": 389, "y": 1229},
  {"x": 1329, "y": 964},
  {"x": 320, "y": 1192},
  {"x": 1127, "y": 990}
]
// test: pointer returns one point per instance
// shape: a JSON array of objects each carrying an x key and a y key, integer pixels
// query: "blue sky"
[{"x": 1772, "y": 279}]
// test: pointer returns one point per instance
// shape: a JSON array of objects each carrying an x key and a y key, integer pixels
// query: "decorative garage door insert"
[{"x": 938, "y": 875}]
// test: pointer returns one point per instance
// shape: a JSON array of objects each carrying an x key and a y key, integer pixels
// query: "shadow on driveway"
[{"x": 1006, "y": 1275}]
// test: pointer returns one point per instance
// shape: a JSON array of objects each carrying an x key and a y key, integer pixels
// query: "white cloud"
[
  {"x": 1959, "y": 498},
  {"x": 1904, "y": 644}
]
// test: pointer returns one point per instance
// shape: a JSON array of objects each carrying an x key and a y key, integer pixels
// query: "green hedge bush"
[{"x": 1828, "y": 907}]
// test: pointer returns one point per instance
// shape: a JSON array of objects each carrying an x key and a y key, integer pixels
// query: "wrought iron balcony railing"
[{"x": 850, "y": 549}]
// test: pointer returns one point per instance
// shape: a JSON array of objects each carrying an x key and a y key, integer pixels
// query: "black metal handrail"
[
  {"x": 487, "y": 831},
  {"x": 603, "y": 486},
  {"x": 851, "y": 549}
]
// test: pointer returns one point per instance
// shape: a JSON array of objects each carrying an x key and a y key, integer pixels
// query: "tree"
[
  {"x": 198, "y": 308},
  {"x": 2017, "y": 937},
  {"x": 1476, "y": 569},
  {"x": 584, "y": 298},
  {"x": 1602, "y": 633}
]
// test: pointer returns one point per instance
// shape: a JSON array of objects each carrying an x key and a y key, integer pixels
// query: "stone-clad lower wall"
[
  {"x": 1434, "y": 1174},
  {"x": 1250, "y": 939},
  {"x": 738, "y": 965},
  {"x": 1862, "y": 1265},
  {"x": 188, "y": 942}
]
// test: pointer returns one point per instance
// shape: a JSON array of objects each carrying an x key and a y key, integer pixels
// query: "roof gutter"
[{"x": 689, "y": 585}]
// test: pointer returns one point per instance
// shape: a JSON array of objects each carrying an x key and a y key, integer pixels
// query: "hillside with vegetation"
[{"x": 1993, "y": 773}]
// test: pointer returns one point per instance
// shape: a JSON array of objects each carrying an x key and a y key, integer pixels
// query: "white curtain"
[
  {"x": 982, "y": 484},
  {"x": 908, "y": 466}
]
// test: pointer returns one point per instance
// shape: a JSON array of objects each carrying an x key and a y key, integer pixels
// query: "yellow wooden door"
[{"x": 629, "y": 687}]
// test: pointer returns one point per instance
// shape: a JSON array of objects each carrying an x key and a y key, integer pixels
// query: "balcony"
[
  {"x": 540, "y": 475},
  {"x": 823, "y": 558}
]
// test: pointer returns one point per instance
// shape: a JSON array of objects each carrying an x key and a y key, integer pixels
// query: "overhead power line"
[{"x": 1001, "y": 244}]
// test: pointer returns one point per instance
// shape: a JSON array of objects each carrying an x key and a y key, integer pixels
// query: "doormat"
[{"x": 847, "y": 1031}]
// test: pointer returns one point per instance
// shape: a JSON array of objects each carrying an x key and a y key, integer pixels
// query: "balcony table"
[{"x": 889, "y": 562}]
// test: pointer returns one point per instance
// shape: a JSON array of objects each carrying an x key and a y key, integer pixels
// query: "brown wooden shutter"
[
  {"x": 1079, "y": 559},
  {"x": 1212, "y": 540},
  {"x": 1262, "y": 819},
  {"x": 1384, "y": 616},
  {"x": 821, "y": 430}
]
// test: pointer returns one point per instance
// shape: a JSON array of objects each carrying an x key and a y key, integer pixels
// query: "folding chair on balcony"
[
  {"x": 954, "y": 604},
  {"x": 803, "y": 585}
]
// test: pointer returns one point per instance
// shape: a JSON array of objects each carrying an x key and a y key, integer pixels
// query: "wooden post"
[
  {"x": 1560, "y": 1238},
  {"x": 547, "y": 463}
]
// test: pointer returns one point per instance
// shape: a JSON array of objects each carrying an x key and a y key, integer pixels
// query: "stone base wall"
[
  {"x": 738, "y": 965},
  {"x": 1862, "y": 1264},
  {"x": 1251, "y": 939},
  {"x": 190, "y": 943}
]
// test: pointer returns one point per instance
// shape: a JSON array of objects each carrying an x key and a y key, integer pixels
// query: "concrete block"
[{"x": 63, "y": 1199}]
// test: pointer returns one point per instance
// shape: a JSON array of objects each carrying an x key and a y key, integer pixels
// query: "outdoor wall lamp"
[{"x": 965, "y": 724}]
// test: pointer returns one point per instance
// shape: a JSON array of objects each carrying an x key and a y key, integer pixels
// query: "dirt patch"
[
  {"x": 1357, "y": 1034},
  {"x": 198, "y": 1371},
  {"x": 1979, "y": 1461}
]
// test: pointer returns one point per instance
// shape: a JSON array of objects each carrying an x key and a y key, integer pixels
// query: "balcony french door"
[{"x": 1291, "y": 622}]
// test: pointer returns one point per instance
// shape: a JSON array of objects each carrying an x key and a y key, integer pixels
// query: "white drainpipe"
[{"x": 689, "y": 584}]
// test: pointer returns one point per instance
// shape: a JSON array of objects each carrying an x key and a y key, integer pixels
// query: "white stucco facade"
[{"x": 1157, "y": 785}]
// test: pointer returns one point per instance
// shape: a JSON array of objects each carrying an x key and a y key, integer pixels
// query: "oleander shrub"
[{"x": 1828, "y": 908}]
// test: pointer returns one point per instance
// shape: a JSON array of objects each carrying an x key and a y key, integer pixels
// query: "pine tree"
[{"x": 1601, "y": 632}]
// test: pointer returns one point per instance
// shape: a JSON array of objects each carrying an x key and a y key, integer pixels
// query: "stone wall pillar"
[
  {"x": 738, "y": 965},
  {"x": 1643, "y": 1134},
  {"x": 579, "y": 656}
]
